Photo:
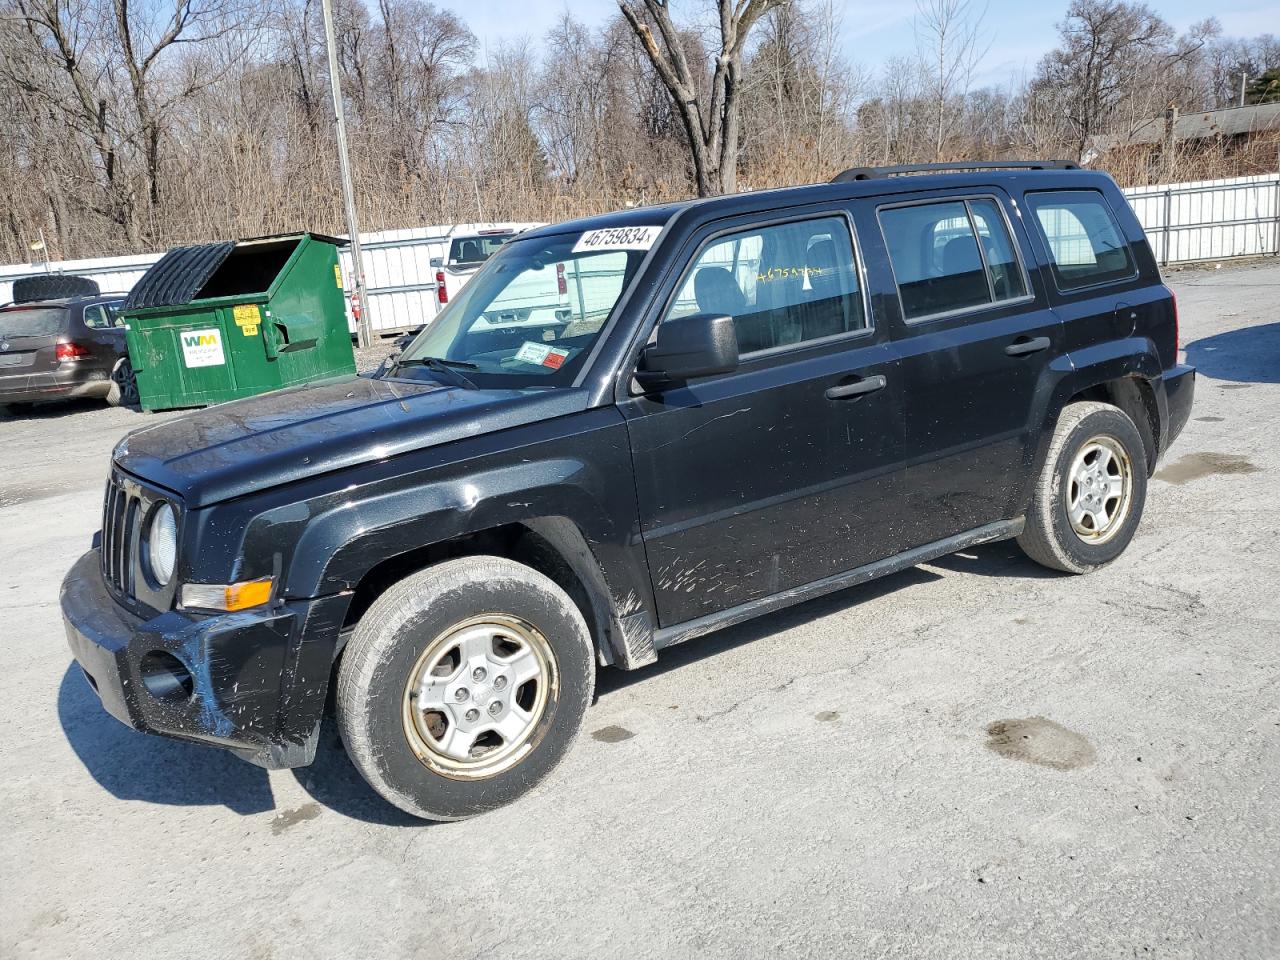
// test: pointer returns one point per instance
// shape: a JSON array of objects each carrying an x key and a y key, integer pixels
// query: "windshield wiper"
[{"x": 444, "y": 366}]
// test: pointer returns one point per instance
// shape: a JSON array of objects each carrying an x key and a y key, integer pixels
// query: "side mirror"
[
  {"x": 437, "y": 263},
  {"x": 701, "y": 345}
]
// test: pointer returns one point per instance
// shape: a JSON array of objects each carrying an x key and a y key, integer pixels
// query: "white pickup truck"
[{"x": 465, "y": 253}]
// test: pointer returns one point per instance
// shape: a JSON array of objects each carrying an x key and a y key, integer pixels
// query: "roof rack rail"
[{"x": 876, "y": 173}]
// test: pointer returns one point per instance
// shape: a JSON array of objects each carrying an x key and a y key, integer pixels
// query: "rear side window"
[
  {"x": 784, "y": 284},
  {"x": 951, "y": 255},
  {"x": 33, "y": 322},
  {"x": 1084, "y": 239},
  {"x": 103, "y": 316}
]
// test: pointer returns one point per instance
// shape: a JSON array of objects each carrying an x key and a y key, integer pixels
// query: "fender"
[
  {"x": 1129, "y": 358},
  {"x": 573, "y": 492}
]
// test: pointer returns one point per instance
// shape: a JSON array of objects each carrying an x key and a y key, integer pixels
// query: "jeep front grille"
[{"x": 120, "y": 519}]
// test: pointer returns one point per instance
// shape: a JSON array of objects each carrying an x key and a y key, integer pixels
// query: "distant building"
[{"x": 1232, "y": 131}]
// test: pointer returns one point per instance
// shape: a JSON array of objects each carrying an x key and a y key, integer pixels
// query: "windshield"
[
  {"x": 475, "y": 249},
  {"x": 528, "y": 318},
  {"x": 32, "y": 322}
]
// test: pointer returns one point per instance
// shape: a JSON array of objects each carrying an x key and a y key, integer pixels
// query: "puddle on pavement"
[
  {"x": 826, "y": 716},
  {"x": 1210, "y": 419},
  {"x": 1196, "y": 465},
  {"x": 612, "y": 734},
  {"x": 288, "y": 818},
  {"x": 1040, "y": 741}
]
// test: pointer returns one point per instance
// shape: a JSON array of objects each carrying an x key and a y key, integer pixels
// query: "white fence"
[
  {"x": 1205, "y": 220},
  {"x": 1210, "y": 219}
]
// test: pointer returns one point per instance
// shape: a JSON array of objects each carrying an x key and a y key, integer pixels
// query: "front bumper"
[
  {"x": 64, "y": 383},
  {"x": 1179, "y": 392},
  {"x": 255, "y": 682}
]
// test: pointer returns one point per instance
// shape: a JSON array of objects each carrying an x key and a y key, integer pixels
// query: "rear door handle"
[
  {"x": 857, "y": 388},
  {"x": 1021, "y": 348}
]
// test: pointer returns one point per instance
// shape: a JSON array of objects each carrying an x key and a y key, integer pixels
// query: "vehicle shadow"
[
  {"x": 1246, "y": 355},
  {"x": 53, "y": 410},
  {"x": 135, "y": 766}
]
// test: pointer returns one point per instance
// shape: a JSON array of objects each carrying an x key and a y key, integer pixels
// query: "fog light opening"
[{"x": 165, "y": 678}]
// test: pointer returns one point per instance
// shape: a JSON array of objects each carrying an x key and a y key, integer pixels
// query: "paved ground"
[{"x": 820, "y": 783}]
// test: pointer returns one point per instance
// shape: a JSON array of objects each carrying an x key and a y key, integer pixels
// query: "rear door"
[
  {"x": 975, "y": 336},
  {"x": 29, "y": 339},
  {"x": 101, "y": 334},
  {"x": 782, "y": 472}
]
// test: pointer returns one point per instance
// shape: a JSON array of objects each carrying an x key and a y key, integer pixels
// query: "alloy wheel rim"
[
  {"x": 1099, "y": 489},
  {"x": 128, "y": 381},
  {"x": 475, "y": 697}
]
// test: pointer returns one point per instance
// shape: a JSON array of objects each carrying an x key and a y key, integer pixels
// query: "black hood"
[{"x": 234, "y": 448}]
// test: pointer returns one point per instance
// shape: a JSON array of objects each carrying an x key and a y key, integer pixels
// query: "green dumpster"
[{"x": 225, "y": 320}]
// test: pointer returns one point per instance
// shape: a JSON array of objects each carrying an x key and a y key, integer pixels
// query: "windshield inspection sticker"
[
  {"x": 202, "y": 348},
  {"x": 542, "y": 355},
  {"x": 617, "y": 238}
]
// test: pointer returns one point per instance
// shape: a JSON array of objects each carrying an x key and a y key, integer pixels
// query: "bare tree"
[
  {"x": 949, "y": 45},
  {"x": 711, "y": 121}
]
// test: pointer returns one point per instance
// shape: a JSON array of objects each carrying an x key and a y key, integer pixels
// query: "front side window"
[
  {"x": 529, "y": 317},
  {"x": 951, "y": 255},
  {"x": 783, "y": 285},
  {"x": 1084, "y": 240}
]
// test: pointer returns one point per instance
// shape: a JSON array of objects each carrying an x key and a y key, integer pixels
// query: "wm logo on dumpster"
[{"x": 202, "y": 348}]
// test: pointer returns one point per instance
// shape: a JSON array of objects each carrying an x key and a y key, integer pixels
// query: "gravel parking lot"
[{"x": 973, "y": 758}]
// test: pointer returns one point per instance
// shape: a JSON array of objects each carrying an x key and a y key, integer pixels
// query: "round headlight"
[{"x": 162, "y": 543}]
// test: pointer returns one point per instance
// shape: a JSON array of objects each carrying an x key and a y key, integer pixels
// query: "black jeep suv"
[{"x": 625, "y": 432}]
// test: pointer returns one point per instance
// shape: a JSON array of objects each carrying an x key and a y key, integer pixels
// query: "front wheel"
[
  {"x": 463, "y": 686},
  {"x": 1091, "y": 490}
]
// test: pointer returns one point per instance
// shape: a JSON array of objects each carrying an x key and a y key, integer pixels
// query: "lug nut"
[
  {"x": 461, "y": 694},
  {"x": 472, "y": 715},
  {"x": 495, "y": 708},
  {"x": 477, "y": 674},
  {"x": 500, "y": 683}
]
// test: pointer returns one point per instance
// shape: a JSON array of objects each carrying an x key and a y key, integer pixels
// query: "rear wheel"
[
  {"x": 463, "y": 686},
  {"x": 1091, "y": 491},
  {"x": 124, "y": 386}
]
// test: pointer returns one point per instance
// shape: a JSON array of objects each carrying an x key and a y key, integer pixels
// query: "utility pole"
[
  {"x": 344, "y": 164},
  {"x": 1243, "y": 79}
]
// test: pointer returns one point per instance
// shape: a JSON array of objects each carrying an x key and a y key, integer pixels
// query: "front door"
[{"x": 782, "y": 472}]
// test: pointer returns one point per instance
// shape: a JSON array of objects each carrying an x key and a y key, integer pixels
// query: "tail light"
[
  {"x": 561, "y": 286},
  {"x": 441, "y": 293},
  {"x": 71, "y": 351}
]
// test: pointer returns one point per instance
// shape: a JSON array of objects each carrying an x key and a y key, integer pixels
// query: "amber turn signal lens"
[{"x": 229, "y": 597}]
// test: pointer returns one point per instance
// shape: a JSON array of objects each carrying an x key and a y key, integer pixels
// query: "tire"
[
  {"x": 123, "y": 391},
  {"x": 1095, "y": 451},
  {"x": 445, "y": 615}
]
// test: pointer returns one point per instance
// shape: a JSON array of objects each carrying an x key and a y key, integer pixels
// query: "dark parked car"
[
  {"x": 746, "y": 402},
  {"x": 64, "y": 348}
]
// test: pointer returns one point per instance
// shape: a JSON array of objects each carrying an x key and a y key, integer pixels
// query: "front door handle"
[
  {"x": 857, "y": 388},
  {"x": 1020, "y": 348}
]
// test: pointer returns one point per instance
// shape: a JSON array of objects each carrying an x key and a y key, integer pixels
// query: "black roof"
[{"x": 887, "y": 182}]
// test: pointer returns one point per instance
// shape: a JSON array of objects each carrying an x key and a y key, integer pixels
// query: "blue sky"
[{"x": 875, "y": 30}]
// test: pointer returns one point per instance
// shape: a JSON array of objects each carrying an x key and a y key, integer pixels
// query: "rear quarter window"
[{"x": 1086, "y": 244}]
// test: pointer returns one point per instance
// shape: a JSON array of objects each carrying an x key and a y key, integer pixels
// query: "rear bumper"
[
  {"x": 67, "y": 381},
  {"x": 1179, "y": 392},
  {"x": 247, "y": 681}
]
